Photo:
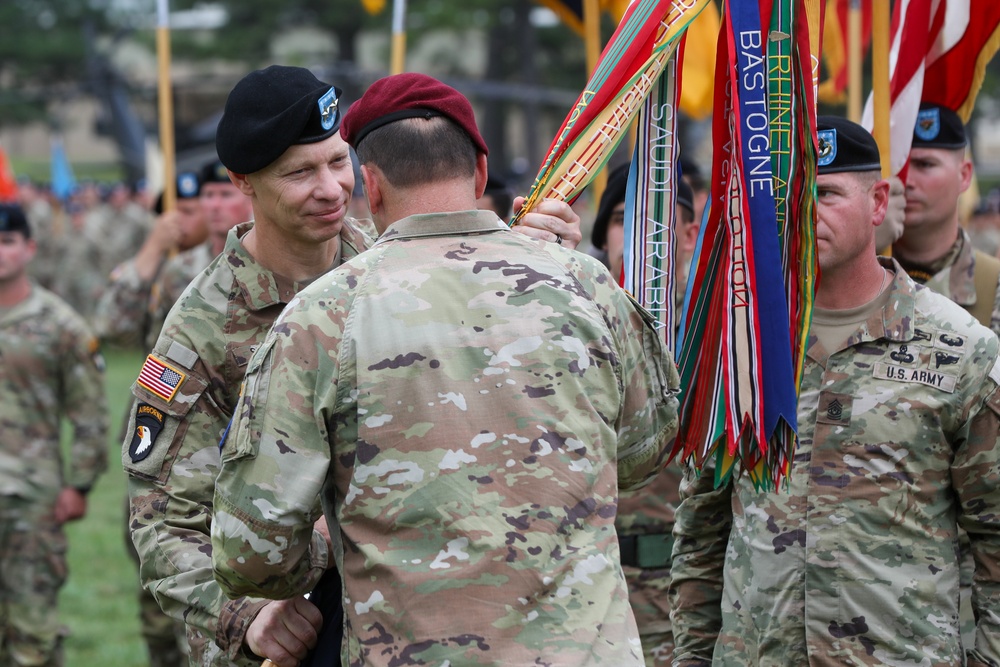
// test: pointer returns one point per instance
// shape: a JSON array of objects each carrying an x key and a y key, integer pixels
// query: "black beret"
[
  {"x": 12, "y": 219},
  {"x": 271, "y": 109},
  {"x": 685, "y": 195},
  {"x": 845, "y": 146},
  {"x": 938, "y": 127},
  {"x": 214, "y": 172},
  {"x": 691, "y": 171},
  {"x": 409, "y": 95},
  {"x": 188, "y": 187},
  {"x": 614, "y": 194},
  {"x": 496, "y": 184}
]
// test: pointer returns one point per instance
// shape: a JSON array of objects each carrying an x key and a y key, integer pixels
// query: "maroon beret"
[{"x": 408, "y": 95}]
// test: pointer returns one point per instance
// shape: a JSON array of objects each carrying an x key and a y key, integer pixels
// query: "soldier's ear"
[
  {"x": 370, "y": 177},
  {"x": 242, "y": 181},
  {"x": 965, "y": 174},
  {"x": 482, "y": 174}
]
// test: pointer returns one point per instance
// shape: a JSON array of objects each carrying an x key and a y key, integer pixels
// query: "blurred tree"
[{"x": 41, "y": 54}]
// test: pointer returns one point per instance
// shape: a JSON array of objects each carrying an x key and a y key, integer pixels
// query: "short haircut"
[
  {"x": 418, "y": 151},
  {"x": 868, "y": 178}
]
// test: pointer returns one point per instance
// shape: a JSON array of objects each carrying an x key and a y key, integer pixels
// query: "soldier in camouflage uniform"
[
  {"x": 142, "y": 290},
  {"x": 127, "y": 315},
  {"x": 466, "y": 403},
  {"x": 645, "y": 517},
  {"x": 124, "y": 312},
  {"x": 188, "y": 386},
  {"x": 210, "y": 335},
  {"x": 98, "y": 240},
  {"x": 48, "y": 224},
  {"x": 934, "y": 249},
  {"x": 50, "y": 369},
  {"x": 856, "y": 562}
]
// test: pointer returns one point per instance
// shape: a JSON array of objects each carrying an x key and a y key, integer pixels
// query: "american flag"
[{"x": 159, "y": 378}]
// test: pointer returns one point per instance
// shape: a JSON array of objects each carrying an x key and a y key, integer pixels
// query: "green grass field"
[{"x": 98, "y": 603}]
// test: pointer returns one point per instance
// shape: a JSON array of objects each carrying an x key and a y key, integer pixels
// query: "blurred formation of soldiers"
[
  {"x": 129, "y": 302},
  {"x": 51, "y": 371},
  {"x": 142, "y": 290},
  {"x": 82, "y": 239}
]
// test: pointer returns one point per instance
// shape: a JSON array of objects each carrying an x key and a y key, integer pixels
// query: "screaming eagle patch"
[{"x": 148, "y": 424}]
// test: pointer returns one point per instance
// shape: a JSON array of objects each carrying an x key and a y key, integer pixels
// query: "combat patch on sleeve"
[
  {"x": 160, "y": 378},
  {"x": 148, "y": 424}
]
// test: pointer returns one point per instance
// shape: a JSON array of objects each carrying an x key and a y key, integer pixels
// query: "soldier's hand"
[
  {"x": 284, "y": 631},
  {"x": 164, "y": 236},
  {"x": 166, "y": 232},
  {"x": 70, "y": 505},
  {"x": 550, "y": 220}
]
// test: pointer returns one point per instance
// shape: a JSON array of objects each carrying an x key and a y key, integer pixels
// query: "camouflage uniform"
[
  {"x": 645, "y": 523},
  {"x": 107, "y": 238},
  {"x": 208, "y": 338},
  {"x": 856, "y": 563},
  {"x": 50, "y": 368},
  {"x": 953, "y": 275},
  {"x": 483, "y": 396},
  {"x": 118, "y": 232},
  {"x": 131, "y": 311},
  {"x": 48, "y": 228}
]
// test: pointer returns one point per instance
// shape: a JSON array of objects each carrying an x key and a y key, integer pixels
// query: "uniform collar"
[
  {"x": 27, "y": 307},
  {"x": 953, "y": 275},
  {"x": 893, "y": 322},
  {"x": 263, "y": 288},
  {"x": 443, "y": 224}
]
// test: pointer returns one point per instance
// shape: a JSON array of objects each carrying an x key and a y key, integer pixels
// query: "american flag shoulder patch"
[{"x": 160, "y": 378}]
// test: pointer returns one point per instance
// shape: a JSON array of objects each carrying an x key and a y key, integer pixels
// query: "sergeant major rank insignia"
[
  {"x": 161, "y": 379},
  {"x": 148, "y": 424}
]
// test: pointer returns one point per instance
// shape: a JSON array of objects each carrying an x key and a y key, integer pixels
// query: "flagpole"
[
  {"x": 166, "y": 106},
  {"x": 592, "y": 43},
  {"x": 880, "y": 81},
  {"x": 398, "y": 58},
  {"x": 854, "y": 51}
]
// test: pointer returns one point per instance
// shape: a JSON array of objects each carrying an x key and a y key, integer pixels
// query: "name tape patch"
[{"x": 941, "y": 381}]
